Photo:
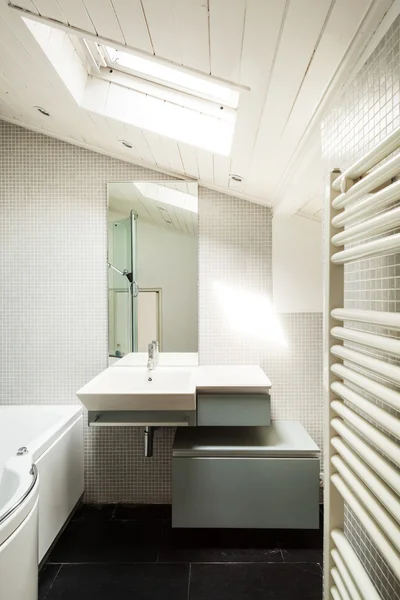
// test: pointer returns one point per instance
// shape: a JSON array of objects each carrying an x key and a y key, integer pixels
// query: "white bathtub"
[{"x": 53, "y": 437}]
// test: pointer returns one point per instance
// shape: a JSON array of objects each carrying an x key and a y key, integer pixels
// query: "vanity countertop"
[
  {"x": 231, "y": 378},
  {"x": 207, "y": 378}
]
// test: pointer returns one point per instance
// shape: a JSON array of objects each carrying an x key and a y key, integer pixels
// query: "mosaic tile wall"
[
  {"x": 368, "y": 111},
  {"x": 235, "y": 252},
  {"x": 53, "y": 302}
]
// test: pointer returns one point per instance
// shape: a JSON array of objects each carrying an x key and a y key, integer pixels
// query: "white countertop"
[
  {"x": 234, "y": 378},
  {"x": 280, "y": 439},
  {"x": 206, "y": 378}
]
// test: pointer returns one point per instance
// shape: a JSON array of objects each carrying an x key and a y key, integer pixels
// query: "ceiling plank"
[
  {"x": 205, "y": 165},
  {"x": 119, "y": 131},
  {"x": 335, "y": 40},
  {"x": 135, "y": 135},
  {"x": 188, "y": 154},
  {"x": 161, "y": 20},
  {"x": 96, "y": 135},
  {"x": 21, "y": 46},
  {"x": 192, "y": 24},
  {"x": 49, "y": 8},
  {"x": 27, "y": 4},
  {"x": 180, "y": 219},
  {"x": 168, "y": 214},
  {"x": 171, "y": 150},
  {"x": 14, "y": 109},
  {"x": 133, "y": 24},
  {"x": 261, "y": 38},
  {"x": 297, "y": 45},
  {"x": 33, "y": 89},
  {"x": 102, "y": 15},
  {"x": 76, "y": 14},
  {"x": 157, "y": 148},
  {"x": 236, "y": 186},
  {"x": 227, "y": 19},
  {"x": 313, "y": 205},
  {"x": 222, "y": 168}
]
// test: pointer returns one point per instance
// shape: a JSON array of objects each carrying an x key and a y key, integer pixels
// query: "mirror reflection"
[{"x": 152, "y": 266}]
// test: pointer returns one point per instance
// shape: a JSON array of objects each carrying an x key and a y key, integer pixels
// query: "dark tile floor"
[{"x": 131, "y": 552}]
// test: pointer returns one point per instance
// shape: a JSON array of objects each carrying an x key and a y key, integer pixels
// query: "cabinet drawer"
[
  {"x": 245, "y": 492},
  {"x": 233, "y": 410}
]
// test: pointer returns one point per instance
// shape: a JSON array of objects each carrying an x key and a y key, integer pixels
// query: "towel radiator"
[{"x": 362, "y": 448}]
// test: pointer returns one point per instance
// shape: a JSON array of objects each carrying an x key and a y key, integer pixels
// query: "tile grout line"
[
  {"x": 183, "y": 562},
  {"x": 52, "y": 583},
  {"x": 189, "y": 578}
]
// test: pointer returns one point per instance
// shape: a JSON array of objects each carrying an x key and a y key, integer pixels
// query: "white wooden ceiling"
[
  {"x": 286, "y": 51},
  {"x": 125, "y": 197}
]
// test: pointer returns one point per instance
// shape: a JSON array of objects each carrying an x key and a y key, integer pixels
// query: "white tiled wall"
[
  {"x": 369, "y": 110},
  {"x": 53, "y": 302}
]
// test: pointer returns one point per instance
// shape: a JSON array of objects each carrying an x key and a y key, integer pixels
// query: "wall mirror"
[{"x": 152, "y": 266}]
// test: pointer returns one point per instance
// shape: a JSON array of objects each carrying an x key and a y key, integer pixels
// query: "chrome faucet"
[{"x": 153, "y": 352}]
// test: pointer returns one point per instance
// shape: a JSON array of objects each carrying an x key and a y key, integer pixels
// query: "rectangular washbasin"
[{"x": 137, "y": 388}]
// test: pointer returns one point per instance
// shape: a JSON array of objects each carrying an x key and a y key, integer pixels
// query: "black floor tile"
[
  {"x": 302, "y": 545},
  {"x": 47, "y": 576},
  {"x": 94, "y": 512},
  {"x": 302, "y": 555},
  {"x": 121, "y": 582},
  {"x": 133, "y": 512},
  {"x": 256, "y": 582},
  {"x": 108, "y": 541},
  {"x": 219, "y": 545}
]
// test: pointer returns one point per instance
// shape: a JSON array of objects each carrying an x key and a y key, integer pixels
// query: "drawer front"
[
  {"x": 235, "y": 410},
  {"x": 245, "y": 492}
]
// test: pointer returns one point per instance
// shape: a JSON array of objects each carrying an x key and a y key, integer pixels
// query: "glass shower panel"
[
  {"x": 135, "y": 285},
  {"x": 119, "y": 287}
]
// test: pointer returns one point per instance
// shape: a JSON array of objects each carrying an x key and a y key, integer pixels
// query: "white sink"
[{"x": 137, "y": 388}]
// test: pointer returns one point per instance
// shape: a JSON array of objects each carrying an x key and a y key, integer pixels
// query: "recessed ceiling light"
[
  {"x": 126, "y": 144},
  {"x": 42, "y": 111},
  {"x": 236, "y": 177}
]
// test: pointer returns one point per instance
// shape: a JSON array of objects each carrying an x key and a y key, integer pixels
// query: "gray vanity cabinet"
[
  {"x": 233, "y": 410},
  {"x": 246, "y": 477}
]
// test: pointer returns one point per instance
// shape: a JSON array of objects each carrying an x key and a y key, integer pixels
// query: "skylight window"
[
  {"x": 152, "y": 95},
  {"x": 172, "y": 77},
  {"x": 165, "y": 195}
]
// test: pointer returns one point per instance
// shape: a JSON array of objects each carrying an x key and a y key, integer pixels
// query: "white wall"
[
  {"x": 296, "y": 264},
  {"x": 168, "y": 260}
]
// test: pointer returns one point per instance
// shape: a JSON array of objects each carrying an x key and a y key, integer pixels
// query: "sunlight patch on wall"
[{"x": 250, "y": 313}]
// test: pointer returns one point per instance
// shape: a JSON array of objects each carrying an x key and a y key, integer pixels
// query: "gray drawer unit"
[
  {"x": 261, "y": 477},
  {"x": 233, "y": 410}
]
